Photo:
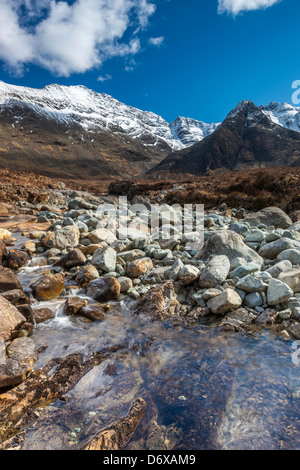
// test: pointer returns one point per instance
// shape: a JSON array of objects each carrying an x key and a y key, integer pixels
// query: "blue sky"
[{"x": 193, "y": 58}]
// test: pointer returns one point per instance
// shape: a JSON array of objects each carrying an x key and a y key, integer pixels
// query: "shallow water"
[{"x": 205, "y": 389}]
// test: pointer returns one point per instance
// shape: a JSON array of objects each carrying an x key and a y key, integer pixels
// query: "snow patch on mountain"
[
  {"x": 283, "y": 114},
  {"x": 78, "y": 105}
]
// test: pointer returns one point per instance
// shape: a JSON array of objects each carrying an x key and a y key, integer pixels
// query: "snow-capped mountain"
[
  {"x": 90, "y": 110},
  {"x": 284, "y": 114},
  {"x": 248, "y": 138}
]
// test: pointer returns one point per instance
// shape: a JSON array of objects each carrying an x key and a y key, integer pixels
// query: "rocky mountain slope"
[
  {"x": 91, "y": 111},
  {"x": 75, "y": 132},
  {"x": 247, "y": 138}
]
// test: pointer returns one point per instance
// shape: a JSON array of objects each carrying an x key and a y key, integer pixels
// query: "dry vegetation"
[{"x": 251, "y": 189}]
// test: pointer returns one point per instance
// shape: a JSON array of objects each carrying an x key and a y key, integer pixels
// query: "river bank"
[{"x": 146, "y": 344}]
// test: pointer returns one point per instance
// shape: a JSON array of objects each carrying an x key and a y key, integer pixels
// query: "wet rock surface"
[{"x": 148, "y": 343}]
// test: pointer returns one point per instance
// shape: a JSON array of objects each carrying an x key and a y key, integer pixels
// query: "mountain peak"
[{"x": 82, "y": 106}]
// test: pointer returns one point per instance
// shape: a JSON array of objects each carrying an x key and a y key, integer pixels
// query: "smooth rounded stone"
[
  {"x": 62, "y": 238},
  {"x": 42, "y": 315},
  {"x": 242, "y": 271},
  {"x": 11, "y": 320},
  {"x": 255, "y": 236},
  {"x": 125, "y": 283},
  {"x": 139, "y": 267},
  {"x": 295, "y": 226},
  {"x": 72, "y": 259},
  {"x": 102, "y": 235},
  {"x": 273, "y": 249},
  {"x": 263, "y": 276},
  {"x": 215, "y": 272},
  {"x": 269, "y": 216},
  {"x": 278, "y": 292},
  {"x": 155, "y": 276},
  {"x": 21, "y": 356},
  {"x": 83, "y": 228},
  {"x": 86, "y": 275},
  {"x": 104, "y": 289},
  {"x": 229, "y": 244},
  {"x": 94, "y": 312},
  {"x": 278, "y": 268},
  {"x": 239, "y": 228},
  {"x": 8, "y": 280},
  {"x": 53, "y": 252},
  {"x": 291, "y": 255},
  {"x": 68, "y": 221},
  {"x": 250, "y": 284},
  {"x": 160, "y": 254},
  {"x": 241, "y": 293},
  {"x": 74, "y": 305},
  {"x": 292, "y": 234},
  {"x": 272, "y": 237},
  {"x": 223, "y": 303},
  {"x": 105, "y": 259},
  {"x": 48, "y": 287},
  {"x": 253, "y": 246},
  {"x": 236, "y": 263},
  {"x": 210, "y": 293},
  {"x": 188, "y": 274},
  {"x": 285, "y": 314},
  {"x": 131, "y": 255},
  {"x": 291, "y": 278},
  {"x": 173, "y": 272},
  {"x": 253, "y": 300}
]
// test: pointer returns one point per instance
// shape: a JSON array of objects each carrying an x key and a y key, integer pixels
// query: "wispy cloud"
[
  {"x": 156, "y": 41},
  {"x": 69, "y": 38},
  {"x": 237, "y": 6},
  {"x": 104, "y": 78}
]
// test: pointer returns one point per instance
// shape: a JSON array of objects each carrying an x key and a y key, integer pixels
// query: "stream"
[{"x": 204, "y": 389}]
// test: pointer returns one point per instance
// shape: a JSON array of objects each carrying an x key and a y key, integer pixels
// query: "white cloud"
[
  {"x": 156, "y": 41},
  {"x": 69, "y": 38},
  {"x": 237, "y": 6},
  {"x": 104, "y": 78}
]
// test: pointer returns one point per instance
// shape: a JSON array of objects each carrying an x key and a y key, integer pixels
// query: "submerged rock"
[{"x": 159, "y": 303}]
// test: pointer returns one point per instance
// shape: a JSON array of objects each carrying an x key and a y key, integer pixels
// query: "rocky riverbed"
[{"x": 110, "y": 342}]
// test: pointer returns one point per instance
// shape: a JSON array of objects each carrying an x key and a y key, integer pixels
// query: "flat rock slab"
[{"x": 11, "y": 320}]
